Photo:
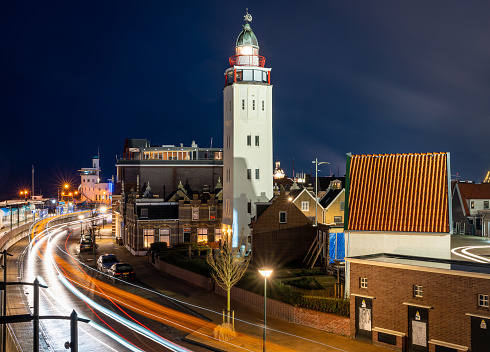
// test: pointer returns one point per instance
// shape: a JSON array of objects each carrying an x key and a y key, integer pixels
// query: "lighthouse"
[{"x": 247, "y": 139}]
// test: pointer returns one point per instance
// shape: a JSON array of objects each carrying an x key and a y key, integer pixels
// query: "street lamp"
[
  {"x": 80, "y": 217},
  {"x": 316, "y": 162},
  {"x": 265, "y": 273}
]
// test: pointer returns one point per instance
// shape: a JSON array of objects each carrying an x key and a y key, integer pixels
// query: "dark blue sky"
[{"x": 358, "y": 76}]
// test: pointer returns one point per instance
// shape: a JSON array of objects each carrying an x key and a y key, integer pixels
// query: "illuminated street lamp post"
[
  {"x": 316, "y": 162},
  {"x": 265, "y": 273},
  {"x": 80, "y": 217}
]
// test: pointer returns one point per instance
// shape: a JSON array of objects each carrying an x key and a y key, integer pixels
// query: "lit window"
[
  {"x": 249, "y": 174},
  {"x": 218, "y": 235},
  {"x": 256, "y": 141},
  {"x": 418, "y": 291},
  {"x": 195, "y": 214},
  {"x": 282, "y": 217},
  {"x": 472, "y": 203},
  {"x": 149, "y": 237},
  {"x": 202, "y": 235},
  {"x": 482, "y": 300},
  {"x": 363, "y": 283},
  {"x": 257, "y": 174},
  {"x": 305, "y": 206},
  {"x": 165, "y": 236},
  {"x": 249, "y": 140}
]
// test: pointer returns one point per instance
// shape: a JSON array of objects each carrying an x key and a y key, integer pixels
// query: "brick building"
[
  {"x": 416, "y": 304},
  {"x": 281, "y": 233}
]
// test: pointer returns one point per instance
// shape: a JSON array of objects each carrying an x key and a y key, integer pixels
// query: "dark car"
[
  {"x": 86, "y": 244},
  {"x": 122, "y": 271},
  {"x": 105, "y": 262}
]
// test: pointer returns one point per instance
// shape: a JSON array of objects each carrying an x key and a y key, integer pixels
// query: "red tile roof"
[
  {"x": 399, "y": 192},
  {"x": 473, "y": 191}
]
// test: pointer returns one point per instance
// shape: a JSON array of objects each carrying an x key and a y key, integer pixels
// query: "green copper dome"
[{"x": 247, "y": 37}]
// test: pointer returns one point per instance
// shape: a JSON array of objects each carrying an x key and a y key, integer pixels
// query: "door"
[
  {"x": 364, "y": 308},
  {"x": 480, "y": 334},
  {"x": 418, "y": 329}
]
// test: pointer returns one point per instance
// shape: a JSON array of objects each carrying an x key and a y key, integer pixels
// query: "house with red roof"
[{"x": 470, "y": 208}]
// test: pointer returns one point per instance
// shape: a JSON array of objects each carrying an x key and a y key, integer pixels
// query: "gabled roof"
[
  {"x": 473, "y": 191},
  {"x": 398, "y": 192},
  {"x": 329, "y": 197}
]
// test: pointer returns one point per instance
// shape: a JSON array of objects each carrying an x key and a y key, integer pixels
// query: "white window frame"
[
  {"x": 165, "y": 235},
  {"x": 363, "y": 282},
  {"x": 305, "y": 205},
  {"x": 418, "y": 291},
  {"x": 483, "y": 300},
  {"x": 195, "y": 213},
  {"x": 285, "y": 213}
]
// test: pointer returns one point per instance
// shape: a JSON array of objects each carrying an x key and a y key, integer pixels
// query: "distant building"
[
  {"x": 164, "y": 166},
  {"x": 471, "y": 208},
  {"x": 91, "y": 189}
]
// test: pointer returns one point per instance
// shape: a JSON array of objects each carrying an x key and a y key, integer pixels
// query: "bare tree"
[{"x": 228, "y": 268}]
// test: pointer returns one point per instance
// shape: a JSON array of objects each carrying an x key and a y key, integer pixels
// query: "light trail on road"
[{"x": 471, "y": 256}]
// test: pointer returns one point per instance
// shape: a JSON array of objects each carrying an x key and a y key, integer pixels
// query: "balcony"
[{"x": 247, "y": 60}]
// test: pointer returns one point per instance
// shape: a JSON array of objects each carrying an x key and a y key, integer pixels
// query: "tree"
[{"x": 228, "y": 268}]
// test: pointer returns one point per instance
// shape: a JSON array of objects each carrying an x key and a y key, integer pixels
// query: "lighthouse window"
[
  {"x": 248, "y": 75},
  {"x": 263, "y": 105},
  {"x": 243, "y": 104},
  {"x": 257, "y": 174},
  {"x": 249, "y": 140},
  {"x": 264, "y": 77},
  {"x": 256, "y": 141},
  {"x": 257, "y": 76},
  {"x": 253, "y": 104},
  {"x": 249, "y": 174}
]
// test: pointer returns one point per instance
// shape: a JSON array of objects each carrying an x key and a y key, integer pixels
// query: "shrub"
[{"x": 158, "y": 246}]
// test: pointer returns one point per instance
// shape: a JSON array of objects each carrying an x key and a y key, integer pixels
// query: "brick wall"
[
  {"x": 313, "y": 319},
  {"x": 450, "y": 296},
  {"x": 183, "y": 274}
]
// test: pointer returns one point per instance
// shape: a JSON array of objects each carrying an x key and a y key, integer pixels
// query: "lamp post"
[
  {"x": 80, "y": 217},
  {"x": 316, "y": 162},
  {"x": 265, "y": 273}
]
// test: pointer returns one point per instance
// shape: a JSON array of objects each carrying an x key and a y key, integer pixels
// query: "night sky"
[{"x": 349, "y": 76}]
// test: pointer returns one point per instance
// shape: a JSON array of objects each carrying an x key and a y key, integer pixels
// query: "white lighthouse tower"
[{"x": 247, "y": 156}]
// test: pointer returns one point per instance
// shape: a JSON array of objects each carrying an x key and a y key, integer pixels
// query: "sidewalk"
[{"x": 281, "y": 335}]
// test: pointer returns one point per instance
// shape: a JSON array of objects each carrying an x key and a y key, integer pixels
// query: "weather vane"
[{"x": 248, "y": 17}]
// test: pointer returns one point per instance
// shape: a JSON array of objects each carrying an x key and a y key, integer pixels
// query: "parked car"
[
  {"x": 105, "y": 262},
  {"x": 122, "y": 271},
  {"x": 86, "y": 244}
]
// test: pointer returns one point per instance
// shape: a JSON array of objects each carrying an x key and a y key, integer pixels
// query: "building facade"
[
  {"x": 91, "y": 190},
  {"x": 247, "y": 114}
]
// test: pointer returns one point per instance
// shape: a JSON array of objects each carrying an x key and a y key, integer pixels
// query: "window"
[
  {"x": 472, "y": 204},
  {"x": 249, "y": 174},
  {"x": 249, "y": 140},
  {"x": 342, "y": 205},
  {"x": 187, "y": 235},
  {"x": 482, "y": 300},
  {"x": 195, "y": 214},
  {"x": 144, "y": 212},
  {"x": 253, "y": 104},
  {"x": 282, "y": 217},
  {"x": 202, "y": 235},
  {"x": 337, "y": 219},
  {"x": 305, "y": 206},
  {"x": 256, "y": 141},
  {"x": 149, "y": 237},
  {"x": 165, "y": 236},
  {"x": 263, "y": 105},
  {"x": 218, "y": 235},
  {"x": 363, "y": 282},
  {"x": 243, "y": 104},
  {"x": 485, "y": 204},
  {"x": 257, "y": 174},
  {"x": 249, "y": 207},
  {"x": 230, "y": 105},
  {"x": 418, "y": 291},
  {"x": 212, "y": 213}
]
